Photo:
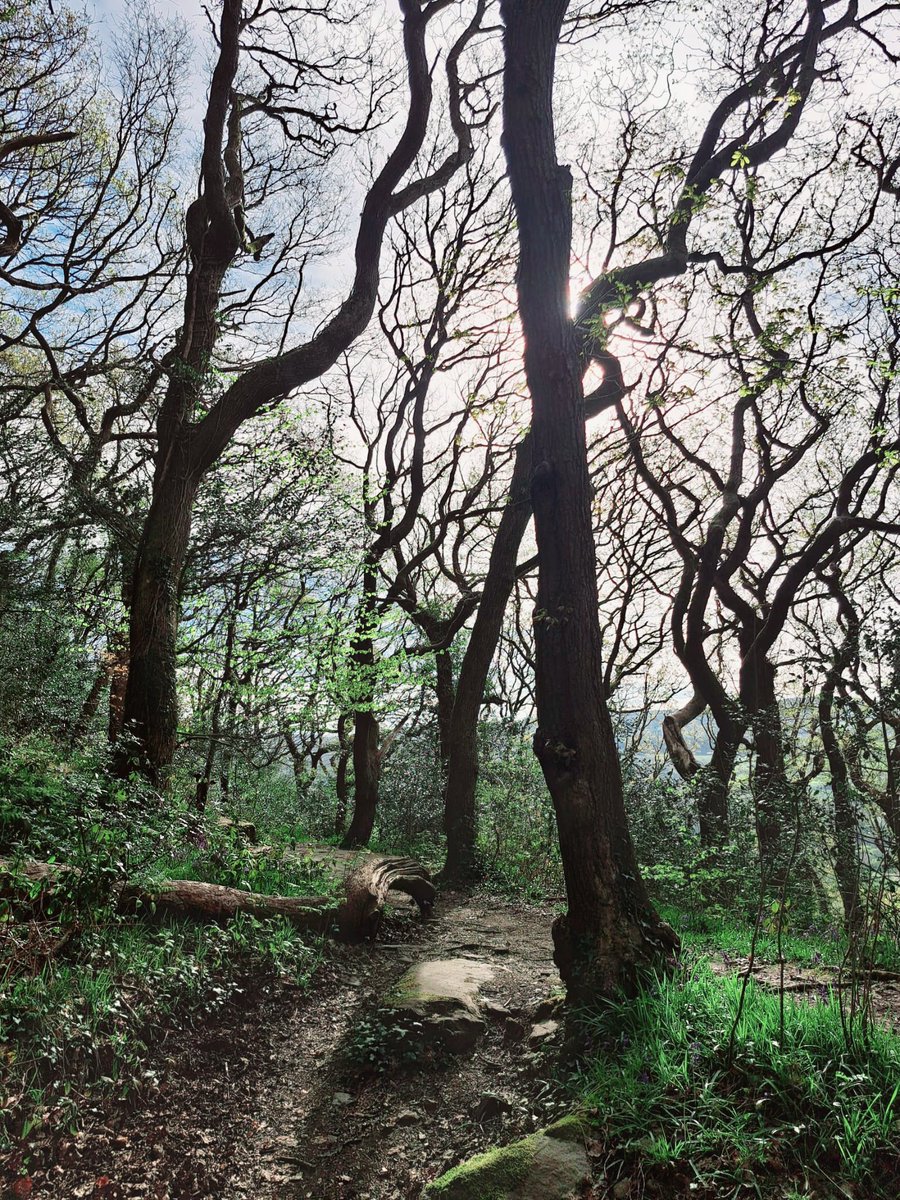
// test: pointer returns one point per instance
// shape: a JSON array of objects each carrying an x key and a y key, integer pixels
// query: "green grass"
[
  {"x": 685, "y": 1076},
  {"x": 229, "y": 861},
  {"x": 808, "y": 947}
]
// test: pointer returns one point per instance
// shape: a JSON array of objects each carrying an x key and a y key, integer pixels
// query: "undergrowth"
[
  {"x": 86, "y": 992},
  {"x": 715, "y": 1092},
  {"x": 797, "y": 941},
  {"x": 88, "y": 1021}
]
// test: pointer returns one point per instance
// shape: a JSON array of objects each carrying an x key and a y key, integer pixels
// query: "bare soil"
[{"x": 272, "y": 1100}]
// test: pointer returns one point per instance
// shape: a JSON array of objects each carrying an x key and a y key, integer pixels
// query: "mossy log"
[{"x": 354, "y": 912}]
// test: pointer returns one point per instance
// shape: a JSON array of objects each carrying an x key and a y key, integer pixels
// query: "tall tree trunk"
[
  {"x": 462, "y": 762},
  {"x": 215, "y": 723},
  {"x": 302, "y": 777},
  {"x": 366, "y": 773},
  {"x": 150, "y": 710},
  {"x": 611, "y": 931},
  {"x": 846, "y": 826},
  {"x": 770, "y": 785},
  {"x": 846, "y": 829},
  {"x": 443, "y": 665},
  {"x": 713, "y": 782},
  {"x": 119, "y": 650}
]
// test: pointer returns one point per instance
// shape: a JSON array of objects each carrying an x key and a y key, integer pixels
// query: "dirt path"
[
  {"x": 270, "y": 1104},
  {"x": 342, "y": 1131}
]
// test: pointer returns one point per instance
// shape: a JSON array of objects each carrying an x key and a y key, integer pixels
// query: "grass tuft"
[{"x": 685, "y": 1075}]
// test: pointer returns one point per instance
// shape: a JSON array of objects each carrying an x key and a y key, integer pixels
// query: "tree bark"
[
  {"x": 846, "y": 825},
  {"x": 443, "y": 665},
  {"x": 340, "y": 778},
  {"x": 680, "y": 754},
  {"x": 366, "y": 760},
  {"x": 611, "y": 931},
  {"x": 366, "y": 776},
  {"x": 150, "y": 710},
  {"x": 215, "y": 723},
  {"x": 770, "y": 786},
  {"x": 119, "y": 650},
  {"x": 462, "y": 762}
]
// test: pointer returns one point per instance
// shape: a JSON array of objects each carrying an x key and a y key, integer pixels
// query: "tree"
[
  {"x": 642, "y": 238},
  {"x": 611, "y": 930},
  {"x": 754, "y": 516},
  {"x": 428, "y": 406}
]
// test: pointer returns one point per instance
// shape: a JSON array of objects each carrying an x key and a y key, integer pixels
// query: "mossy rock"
[
  {"x": 439, "y": 998},
  {"x": 549, "y": 1165}
]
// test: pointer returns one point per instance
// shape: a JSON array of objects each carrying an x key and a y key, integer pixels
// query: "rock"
[
  {"x": 495, "y": 1010},
  {"x": 541, "y": 1032},
  {"x": 339, "y": 1099},
  {"x": 622, "y": 1190},
  {"x": 548, "y": 1007},
  {"x": 491, "y": 1105},
  {"x": 439, "y": 998},
  {"x": 549, "y": 1165}
]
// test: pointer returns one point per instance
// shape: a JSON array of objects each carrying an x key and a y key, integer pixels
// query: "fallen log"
[
  {"x": 364, "y": 880},
  {"x": 368, "y": 879},
  {"x": 361, "y": 882},
  {"x": 215, "y": 902}
]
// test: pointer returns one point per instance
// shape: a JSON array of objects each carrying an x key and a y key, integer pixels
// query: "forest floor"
[
  {"x": 287, "y": 1095},
  {"x": 279, "y": 1097}
]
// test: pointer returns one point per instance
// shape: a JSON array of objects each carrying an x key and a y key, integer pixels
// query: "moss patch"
[
  {"x": 489, "y": 1176},
  {"x": 569, "y": 1129},
  {"x": 495, "y": 1174}
]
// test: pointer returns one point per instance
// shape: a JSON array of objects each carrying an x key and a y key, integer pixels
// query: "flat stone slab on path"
[
  {"x": 549, "y": 1165},
  {"x": 441, "y": 996}
]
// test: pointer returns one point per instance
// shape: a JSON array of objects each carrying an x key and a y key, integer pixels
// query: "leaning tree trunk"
[
  {"x": 680, "y": 753},
  {"x": 611, "y": 931},
  {"x": 462, "y": 763}
]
